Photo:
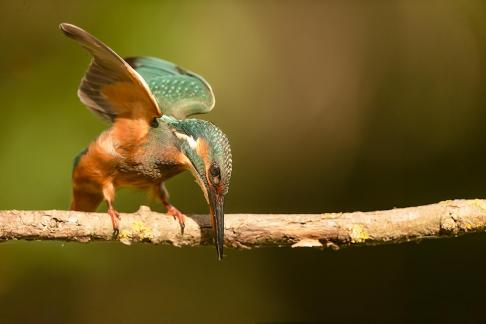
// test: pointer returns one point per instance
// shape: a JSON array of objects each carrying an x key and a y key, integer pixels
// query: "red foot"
[
  {"x": 172, "y": 211},
  {"x": 115, "y": 221}
]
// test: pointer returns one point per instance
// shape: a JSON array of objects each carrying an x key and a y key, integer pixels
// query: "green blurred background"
[{"x": 329, "y": 106}]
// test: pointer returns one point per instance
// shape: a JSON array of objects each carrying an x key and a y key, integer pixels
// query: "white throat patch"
[{"x": 189, "y": 139}]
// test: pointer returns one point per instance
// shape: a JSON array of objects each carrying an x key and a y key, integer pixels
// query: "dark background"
[{"x": 329, "y": 106}]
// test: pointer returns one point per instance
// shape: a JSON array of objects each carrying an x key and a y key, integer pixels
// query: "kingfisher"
[{"x": 147, "y": 102}]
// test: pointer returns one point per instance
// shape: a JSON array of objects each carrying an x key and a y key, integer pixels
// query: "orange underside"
[{"x": 98, "y": 173}]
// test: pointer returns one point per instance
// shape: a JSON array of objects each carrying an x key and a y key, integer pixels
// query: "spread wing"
[
  {"x": 179, "y": 93},
  {"x": 111, "y": 88}
]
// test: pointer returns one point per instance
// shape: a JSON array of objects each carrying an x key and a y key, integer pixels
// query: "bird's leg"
[
  {"x": 109, "y": 195},
  {"x": 176, "y": 213},
  {"x": 115, "y": 219},
  {"x": 171, "y": 210}
]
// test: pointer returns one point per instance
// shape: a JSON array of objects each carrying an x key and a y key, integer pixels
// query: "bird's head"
[{"x": 209, "y": 158}]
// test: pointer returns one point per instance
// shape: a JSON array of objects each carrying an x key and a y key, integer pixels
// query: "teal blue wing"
[{"x": 179, "y": 93}]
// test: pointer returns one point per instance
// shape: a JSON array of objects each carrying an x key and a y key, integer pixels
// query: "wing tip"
[
  {"x": 72, "y": 31},
  {"x": 67, "y": 28}
]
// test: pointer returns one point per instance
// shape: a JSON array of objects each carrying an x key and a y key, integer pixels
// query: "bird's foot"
[
  {"x": 115, "y": 221},
  {"x": 174, "y": 212}
]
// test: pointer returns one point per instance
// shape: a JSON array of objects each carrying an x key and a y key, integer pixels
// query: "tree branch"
[{"x": 444, "y": 219}]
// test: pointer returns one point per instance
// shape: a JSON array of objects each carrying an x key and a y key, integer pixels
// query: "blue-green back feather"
[{"x": 179, "y": 93}]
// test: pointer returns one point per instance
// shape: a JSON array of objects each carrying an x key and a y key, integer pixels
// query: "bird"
[{"x": 147, "y": 102}]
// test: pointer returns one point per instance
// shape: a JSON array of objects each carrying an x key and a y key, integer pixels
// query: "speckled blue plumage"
[
  {"x": 219, "y": 148},
  {"x": 179, "y": 93}
]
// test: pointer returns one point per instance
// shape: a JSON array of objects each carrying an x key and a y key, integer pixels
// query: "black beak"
[{"x": 216, "y": 203}]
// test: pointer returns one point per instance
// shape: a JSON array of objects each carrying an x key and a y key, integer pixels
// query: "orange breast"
[{"x": 124, "y": 156}]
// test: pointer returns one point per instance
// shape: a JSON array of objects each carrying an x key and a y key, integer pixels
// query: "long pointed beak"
[{"x": 216, "y": 206}]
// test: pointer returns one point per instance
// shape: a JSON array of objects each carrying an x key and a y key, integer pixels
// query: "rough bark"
[{"x": 444, "y": 219}]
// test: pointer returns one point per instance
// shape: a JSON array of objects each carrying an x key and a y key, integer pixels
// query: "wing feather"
[
  {"x": 179, "y": 93},
  {"x": 111, "y": 88}
]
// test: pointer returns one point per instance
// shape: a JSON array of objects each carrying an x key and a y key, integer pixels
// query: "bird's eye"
[
  {"x": 154, "y": 123},
  {"x": 215, "y": 173}
]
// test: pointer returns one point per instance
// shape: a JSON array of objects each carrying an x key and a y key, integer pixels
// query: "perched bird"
[{"x": 147, "y": 101}]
